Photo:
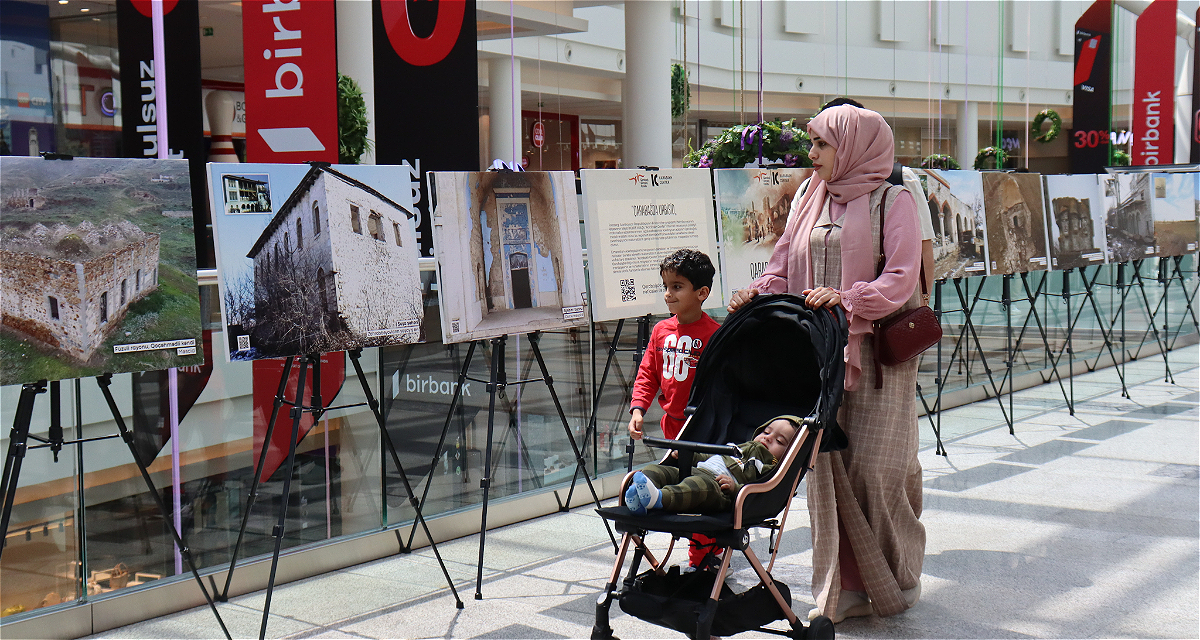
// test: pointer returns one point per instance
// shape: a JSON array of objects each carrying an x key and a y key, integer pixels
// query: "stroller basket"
[{"x": 675, "y": 600}]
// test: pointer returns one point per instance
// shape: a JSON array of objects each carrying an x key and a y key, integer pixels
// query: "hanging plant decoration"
[
  {"x": 778, "y": 142},
  {"x": 1121, "y": 158},
  {"x": 681, "y": 91},
  {"x": 940, "y": 161},
  {"x": 352, "y": 121},
  {"x": 997, "y": 155},
  {"x": 1055, "y": 125}
]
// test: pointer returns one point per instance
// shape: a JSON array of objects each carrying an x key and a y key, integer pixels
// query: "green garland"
[
  {"x": 1055, "y": 125},
  {"x": 352, "y": 121},
  {"x": 681, "y": 91},
  {"x": 782, "y": 142},
  {"x": 1121, "y": 158},
  {"x": 999, "y": 155},
  {"x": 940, "y": 161}
]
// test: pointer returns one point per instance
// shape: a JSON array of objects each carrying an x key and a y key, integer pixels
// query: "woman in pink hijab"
[{"x": 865, "y": 501}]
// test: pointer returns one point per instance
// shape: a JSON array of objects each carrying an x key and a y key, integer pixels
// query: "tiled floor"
[{"x": 1077, "y": 526}]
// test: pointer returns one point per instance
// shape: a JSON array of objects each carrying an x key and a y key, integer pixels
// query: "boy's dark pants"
[{"x": 697, "y": 493}]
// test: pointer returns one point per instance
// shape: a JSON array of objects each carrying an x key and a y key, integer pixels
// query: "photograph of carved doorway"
[{"x": 509, "y": 251}]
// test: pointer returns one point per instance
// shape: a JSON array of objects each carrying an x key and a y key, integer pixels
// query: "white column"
[
  {"x": 356, "y": 59},
  {"x": 968, "y": 133},
  {"x": 504, "y": 107},
  {"x": 646, "y": 93}
]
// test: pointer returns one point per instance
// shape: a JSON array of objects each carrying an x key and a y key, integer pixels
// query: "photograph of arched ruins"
[
  {"x": 1128, "y": 224},
  {"x": 509, "y": 252},
  {"x": 753, "y": 206},
  {"x": 97, "y": 268},
  {"x": 1075, "y": 221},
  {"x": 955, "y": 207},
  {"x": 1016, "y": 222},
  {"x": 331, "y": 266},
  {"x": 1174, "y": 209}
]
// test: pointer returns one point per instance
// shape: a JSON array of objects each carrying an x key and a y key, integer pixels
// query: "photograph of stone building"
[
  {"x": 1174, "y": 211},
  {"x": 1016, "y": 222},
  {"x": 1075, "y": 221},
  {"x": 334, "y": 268},
  {"x": 1128, "y": 224},
  {"x": 752, "y": 211},
  {"x": 509, "y": 251},
  {"x": 96, "y": 273},
  {"x": 954, "y": 200}
]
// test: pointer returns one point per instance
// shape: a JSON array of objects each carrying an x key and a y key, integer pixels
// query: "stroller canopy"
[{"x": 772, "y": 357}]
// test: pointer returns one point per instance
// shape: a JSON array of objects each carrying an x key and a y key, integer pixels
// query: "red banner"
[
  {"x": 266, "y": 384},
  {"x": 1154, "y": 85},
  {"x": 291, "y": 80}
]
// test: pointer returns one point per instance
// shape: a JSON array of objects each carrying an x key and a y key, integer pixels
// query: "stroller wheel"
[{"x": 821, "y": 628}]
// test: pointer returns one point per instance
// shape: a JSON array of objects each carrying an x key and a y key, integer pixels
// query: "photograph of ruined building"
[
  {"x": 752, "y": 206},
  {"x": 335, "y": 267},
  {"x": 955, "y": 205},
  {"x": 510, "y": 256},
  {"x": 1174, "y": 210},
  {"x": 97, "y": 268},
  {"x": 1128, "y": 223},
  {"x": 1075, "y": 221},
  {"x": 1016, "y": 222}
]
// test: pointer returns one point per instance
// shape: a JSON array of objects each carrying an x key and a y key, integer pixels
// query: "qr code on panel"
[
  {"x": 628, "y": 290},
  {"x": 243, "y": 343}
]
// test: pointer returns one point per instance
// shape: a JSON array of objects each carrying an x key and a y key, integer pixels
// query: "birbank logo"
[{"x": 291, "y": 82}]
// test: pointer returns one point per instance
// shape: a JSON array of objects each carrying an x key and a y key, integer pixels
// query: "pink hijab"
[{"x": 863, "y": 162}]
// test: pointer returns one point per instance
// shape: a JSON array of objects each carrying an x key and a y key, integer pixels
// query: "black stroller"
[{"x": 773, "y": 357}]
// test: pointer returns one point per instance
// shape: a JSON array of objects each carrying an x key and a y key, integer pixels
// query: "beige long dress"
[{"x": 875, "y": 484}]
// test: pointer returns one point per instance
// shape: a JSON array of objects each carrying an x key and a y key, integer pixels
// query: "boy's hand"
[
  {"x": 728, "y": 484},
  {"x": 741, "y": 297},
  {"x": 635, "y": 425}
]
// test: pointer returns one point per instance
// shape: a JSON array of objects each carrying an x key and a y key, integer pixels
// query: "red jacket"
[{"x": 668, "y": 366}]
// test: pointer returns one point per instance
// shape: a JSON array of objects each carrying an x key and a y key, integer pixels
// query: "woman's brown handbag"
[{"x": 905, "y": 335}]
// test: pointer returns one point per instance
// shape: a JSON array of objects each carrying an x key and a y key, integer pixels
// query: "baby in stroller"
[{"x": 715, "y": 478}]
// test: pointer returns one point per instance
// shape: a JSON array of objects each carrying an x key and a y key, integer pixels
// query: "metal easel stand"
[
  {"x": 296, "y": 412},
  {"x": 18, "y": 446},
  {"x": 1152, "y": 314},
  {"x": 935, "y": 424},
  {"x": 1176, "y": 274},
  {"x": 960, "y": 351},
  {"x": 613, "y": 350}
]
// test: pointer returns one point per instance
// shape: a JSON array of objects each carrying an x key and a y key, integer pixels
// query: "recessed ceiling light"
[
  {"x": 85, "y": 9},
  {"x": 62, "y": 1}
]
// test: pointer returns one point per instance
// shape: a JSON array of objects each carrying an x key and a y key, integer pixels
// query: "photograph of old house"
[
  {"x": 509, "y": 251},
  {"x": 1075, "y": 221},
  {"x": 97, "y": 272},
  {"x": 334, "y": 267},
  {"x": 1016, "y": 222},
  {"x": 955, "y": 205},
  {"x": 1174, "y": 210},
  {"x": 246, "y": 193},
  {"x": 1128, "y": 223}
]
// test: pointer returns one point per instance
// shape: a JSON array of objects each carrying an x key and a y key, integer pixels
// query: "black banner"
[
  {"x": 185, "y": 121},
  {"x": 426, "y": 91},
  {"x": 1089, "y": 141}
]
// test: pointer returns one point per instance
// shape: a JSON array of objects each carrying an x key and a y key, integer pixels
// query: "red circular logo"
[{"x": 539, "y": 134}]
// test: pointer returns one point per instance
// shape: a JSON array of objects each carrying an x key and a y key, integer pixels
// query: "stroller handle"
[{"x": 698, "y": 447}]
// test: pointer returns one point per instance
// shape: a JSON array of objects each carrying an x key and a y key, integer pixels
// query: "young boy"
[
  {"x": 714, "y": 480},
  {"x": 674, "y": 349},
  {"x": 675, "y": 343}
]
